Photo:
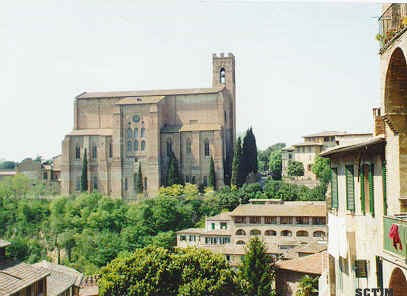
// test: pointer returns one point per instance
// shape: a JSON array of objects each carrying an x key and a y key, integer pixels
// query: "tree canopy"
[
  {"x": 295, "y": 169},
  {"x": 275, "y": 164},
  {"x": 321, "y": 168}
]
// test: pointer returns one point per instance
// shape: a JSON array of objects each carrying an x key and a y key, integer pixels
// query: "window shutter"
[
  {"x": 334, "y": 188},
  {"x": 371, "y": 189},
  {"x": 384, "y": 178},
  {"x": 362, "y": 189},
  {"x": 350, "y": 188}
]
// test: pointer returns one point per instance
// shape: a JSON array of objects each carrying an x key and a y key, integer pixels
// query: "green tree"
[
  {"x": 84, "y": 176},
  {"x": 308, "y": 286},
  {"x": 264, "y": 155},
  {"x": 248, "y": 162},
  {"x": 321, "y": 168},
  {"x": 257, "y": 270},
  {"x": 237, "y": 155},
  {"x": 212, "y": 176},
  {"x": 295, "y": 169},
  {"x": 139, "y": 180},
  {"x": 173, "y": 176},
  {"x": 275, "y": 164}
]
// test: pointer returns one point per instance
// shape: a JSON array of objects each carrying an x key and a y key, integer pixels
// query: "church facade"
[{"x": 125, "y": 131}]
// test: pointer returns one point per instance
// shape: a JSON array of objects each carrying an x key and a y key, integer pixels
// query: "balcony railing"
[
  {"x": 392, "y": 23},
  {"x": 401, "y": 221}
]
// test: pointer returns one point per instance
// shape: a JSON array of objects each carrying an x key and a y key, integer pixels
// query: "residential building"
[
  {"x": 62, "y": 280},
  {"x": 281, "y": 225},
  {"x": 308, "y": 150},
  {"x": 20, "y": 279},
  {"x": 122, "y": 131}
]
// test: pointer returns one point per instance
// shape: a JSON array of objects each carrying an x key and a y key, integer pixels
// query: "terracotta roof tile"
[
  {"x": 313, "y": 264},
  {"x": 310, "y": 209}
]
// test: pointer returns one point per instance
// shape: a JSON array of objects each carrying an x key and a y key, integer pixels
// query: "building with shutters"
[
  {"x": 367, "y": 220},
  {"x": 124, "y": 131}
]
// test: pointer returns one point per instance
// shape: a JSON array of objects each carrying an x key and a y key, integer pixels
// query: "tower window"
[
  {"x": 94, "y": 152},
  {"x": 77, "y": 152},
  {"x": 222, "y": 76},
  {"x": 143, "y": 145},
  {"x": 135, "y": 145},
  {"x": 189, "y": 146},
  {"x": 142, "y": 132},
  {"x": 136, "y": 132},
  {"x": 206, "y": 148},
  {"x": 129, "y": 133}
]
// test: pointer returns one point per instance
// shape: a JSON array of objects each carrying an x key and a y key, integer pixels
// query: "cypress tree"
[
  {"x": 84, "y": 176},
  {"x": 257, "y": 269},
  {"x": 212, "y": 176},
  {"x": 248, "y": 162},
  {"x": 237, "y": 155},
  {"x": 173, "y": 176},
  {"x": 139, "y": 180}
]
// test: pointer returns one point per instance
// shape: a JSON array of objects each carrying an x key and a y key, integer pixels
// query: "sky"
[{"x": 301, "y": 67}]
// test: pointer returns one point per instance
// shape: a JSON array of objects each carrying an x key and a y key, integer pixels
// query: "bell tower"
[{"x": 223, "y": 72}]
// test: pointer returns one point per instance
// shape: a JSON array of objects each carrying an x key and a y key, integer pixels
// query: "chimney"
[{"x": 378, "y": 122}]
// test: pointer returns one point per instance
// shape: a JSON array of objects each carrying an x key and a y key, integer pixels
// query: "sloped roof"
[
  {"x": 353, "y": 146},
  {"x": 313, "y": 264},
  {"x": 325, "y": 134},
  {"x": 311, "y": 248},
  {"x": 308, "y": 144},
  {"x": 14, "y": 278},
  {"x": 225, "y": 216},
  {"x": 143, "y": 93},
  {"x": 192, "y": 231},
  {"x": 61, "y": 277},
  {"x": 310, "y": 209}
]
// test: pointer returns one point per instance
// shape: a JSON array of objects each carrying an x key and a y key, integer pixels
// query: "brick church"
[{"x": 122, "y": 131}]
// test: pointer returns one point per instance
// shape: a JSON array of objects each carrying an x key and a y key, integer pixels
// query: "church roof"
[
  {"x": 92, "y": 132},
  {"x": 140, "y": 100},
  {"x": 144, "y": 93}
]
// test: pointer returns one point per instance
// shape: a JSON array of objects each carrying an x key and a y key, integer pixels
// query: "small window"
[
  {"x": 142, "y": 132},
  {"x": 270, "y": 220},
  {"x": 77, "y": 152},
  {"x": 240, "y": 232},
  {"x": 319, "y": 234},
  {"x": 286, "y": 220},
  {"x": 240, "y": 242},
  {"x": 302, "y": 233},
  {"x": 186, "y": 179},
  {"x": 301, "y": 220},
  {"x": 254, "y": 220},
  {"x": 270, "y": 233},
  {"x": 129, "y": 146},
  {"x": 223, "y": 225},
  {"x": 143, "y": 145},
  {"x": 213, "y": 226},
  {"x": 226, "y": 117},
  {"x": 286, "y": 233},
  {"x": 182, "y": 237},
  {"x": 129, "y": 132},
  {"x": 135, "y": 146},
  {"x": 334, "y": 188},
  {"x": 136, "y": 132},
  {"x": 189, "y": 146},
  {"x": 206, "y": 148},
  {"x": 350, "y": 188},
  {"x": 193, "y": 180},
  {"x": 126, "y": 185},
  {"x": 110, "y": 149},
  {"x": 94, "y": 152},
  {"x": 222, "y": 76},
  {"x": 255, "y": 232}
]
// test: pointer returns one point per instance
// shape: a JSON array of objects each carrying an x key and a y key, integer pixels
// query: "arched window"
[
  {"x": 142, "y": 132},
  {"x": 136, "y": 132},
  {"x": 169, "y": 147},
  {"x": 240, "y": 232},
  {"x": 143, "y": 145},
  {"x": 135, "y": 147},
  {"x": 240, "y": 242},
  {"x": 129, "y": 133},
  {"x": 145, "y": 183},
  {"x": 77, "y": 152},
  {"x": 189, "y": 146},
  {"x": 222, "y": 76},
  {"x": 301, "y": 233},
  {"x": 286, "y": 233},
  {"x": 129, "y": 146},
  {"x": 270, "y": 233},
  {"x": 255, "y": 232},
  {"x": 206, "y": 147},
  {"x": 94, "y": 152},
  {"x": 318, "y": 233}
]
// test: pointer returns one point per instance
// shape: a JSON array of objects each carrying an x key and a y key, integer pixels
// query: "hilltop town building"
[
  {"x": 122, "y": 131},
  {"x": 298, "y": 227}
]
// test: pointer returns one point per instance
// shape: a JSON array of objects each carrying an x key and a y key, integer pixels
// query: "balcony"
[
  {"x": 392, "y": 23},
  {"x": 401, "y": 221}
]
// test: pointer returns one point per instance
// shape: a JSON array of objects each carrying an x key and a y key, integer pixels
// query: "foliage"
[
  {"x": 295, "y": 169},
  {"x": 257, "y": 269},
  {"x": 237, "y": 155},
  {"x": 7, "y": 165},
  {"x": 275, "y": 164},
  {"x": 321, "y": 168},
  {"x": 264, "y": 156},
  {"x": 157, "y": 271},
  {"x": 84, "y": 175},
  {"x": 248, "y": 161},
  {"x": 212, "y": 176},
  {"x": 308, "y": 286},
  {"x": 139, "y": 181},
  {"x": 173, "y": 176}
]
